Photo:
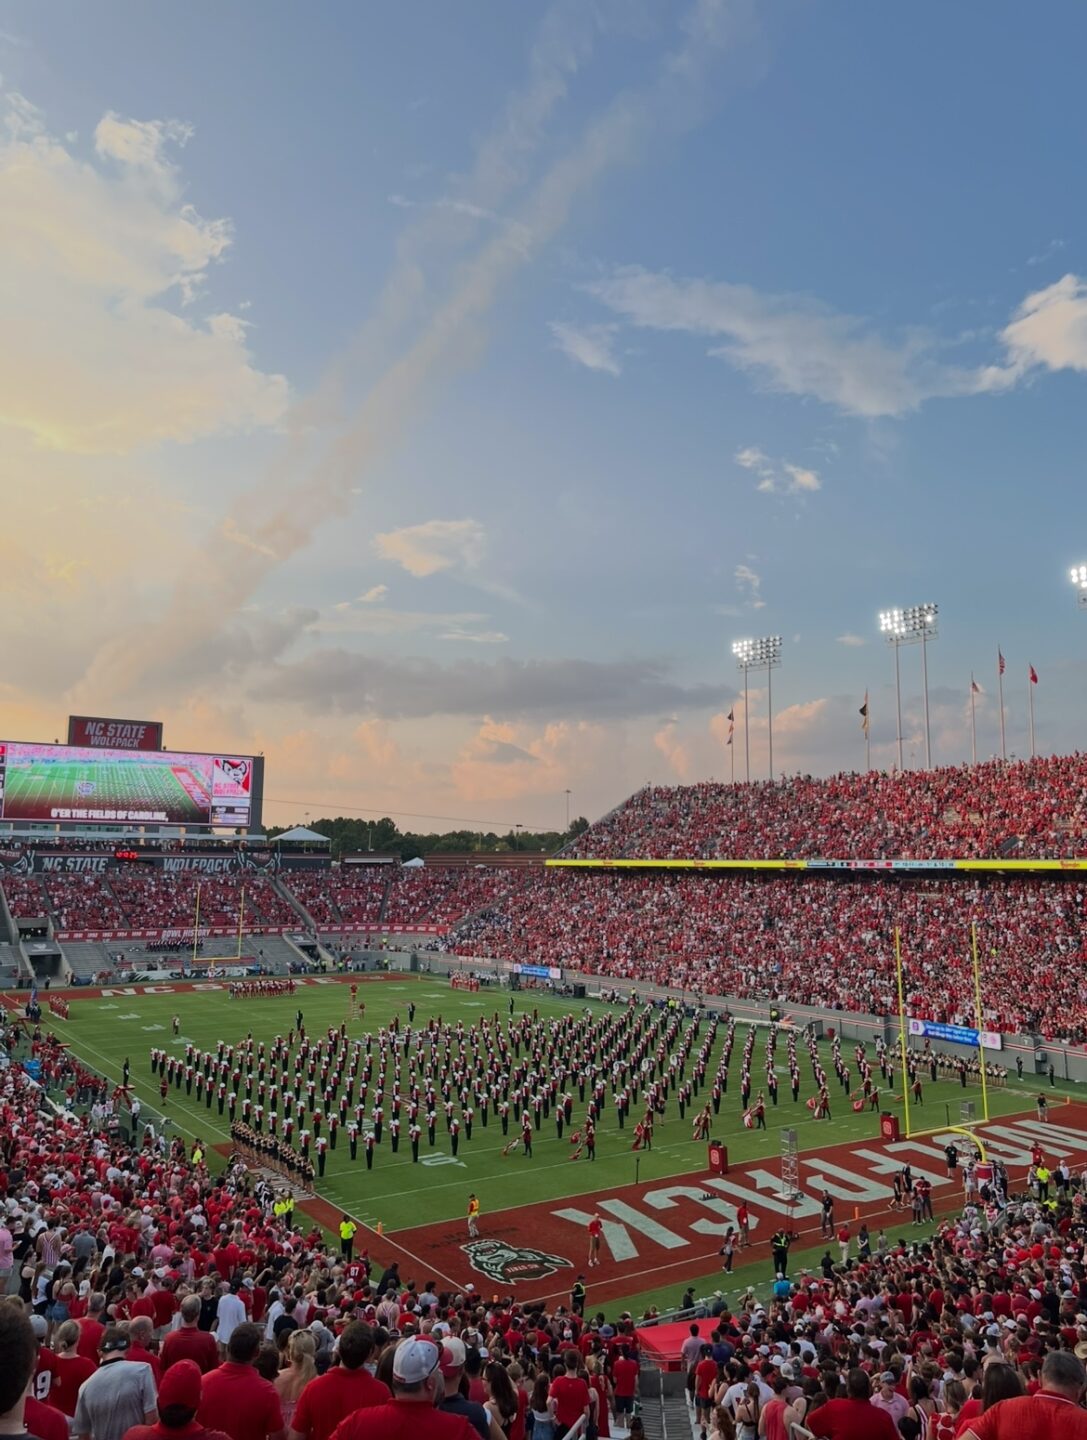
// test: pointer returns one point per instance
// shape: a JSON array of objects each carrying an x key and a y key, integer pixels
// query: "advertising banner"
[{"x": 957, "y": 1034}]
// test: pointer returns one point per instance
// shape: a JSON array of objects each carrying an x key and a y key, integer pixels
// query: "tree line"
[{"x": 349, "y": 836}]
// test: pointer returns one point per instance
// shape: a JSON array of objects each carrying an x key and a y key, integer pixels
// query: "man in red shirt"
[
  {"x": 1054, "y": 1413},
  {"x": 855, "y": 1417},
  {"x": 417, "y": 1383},
  {"x": 345, "y": 1388},
  {"x": 236, "y": 1398},
  {"x": 624, "y": 1376},
  {"x": 705, "y": 1377},
  {"x": 189, "y": 1342},
  {"x": 571, "y": 1395},
  {"x": 91, "y": 1328}
]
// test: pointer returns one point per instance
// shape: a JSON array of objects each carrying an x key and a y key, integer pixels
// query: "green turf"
[
  {"x": 42, "y": 786},
  {"x": 401, "y": 1194}
]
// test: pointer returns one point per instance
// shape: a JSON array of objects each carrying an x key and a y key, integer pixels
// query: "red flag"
[
  {"x": 1000, "y": 662},
  {"x": 1033, "y": 675}
]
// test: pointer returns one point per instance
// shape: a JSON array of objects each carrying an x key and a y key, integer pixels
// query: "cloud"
[
  {"x": 98, "y": 254},
  {"x": 801, "y": 346},
  {"x": 850, "y": 639},
  {"x": 230, "y": 531},
  {"x": 796, "y": 344},
  {"x": 778, "y": 479},
  {"x": 407, "y": 688},
  {"x": 802, "y": 479},
  {"x": 375, "y": 595},
  {"x": 1047, "y": 252},
  {"x": 434, "y": 545},
  {"x": 673, "y": 750},
  {"x": 1049, "y": 329},
  {"x": 590, "y": 345},
  {"x": 353, "y": 618},
  {"x": 427, "y": 326},
  {"x": 749, "y": 585},
  {"x": 476, "y": 637}
]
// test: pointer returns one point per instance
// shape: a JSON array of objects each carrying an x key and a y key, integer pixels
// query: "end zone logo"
[{"x": 510, "y": 1264}]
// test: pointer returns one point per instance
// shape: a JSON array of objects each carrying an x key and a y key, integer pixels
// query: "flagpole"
[
  {"x": 747, "y": 731},
  {"x": 1000, "y": 687},
  {"x": 867, "y": 737},
  {"x": 1030, "y": 692},
  {"x": 973, "y": 725}
]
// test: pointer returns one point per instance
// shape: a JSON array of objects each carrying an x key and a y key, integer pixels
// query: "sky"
[{"x": 426, "y": 396}]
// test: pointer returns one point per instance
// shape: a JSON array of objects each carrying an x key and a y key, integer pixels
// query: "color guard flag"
[{"x": 1033, "y": 675}]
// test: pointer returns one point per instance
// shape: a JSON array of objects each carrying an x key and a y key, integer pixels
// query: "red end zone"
[{"x": 665, "y": 1232}]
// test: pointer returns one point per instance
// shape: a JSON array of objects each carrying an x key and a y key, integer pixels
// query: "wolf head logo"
[{"x": 512, "y": 1264}]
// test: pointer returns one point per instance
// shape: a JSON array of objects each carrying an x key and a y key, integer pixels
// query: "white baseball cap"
[{"x": 414, "y": 1360}]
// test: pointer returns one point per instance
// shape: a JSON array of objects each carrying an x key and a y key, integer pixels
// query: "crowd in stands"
[
  {"x": 149, "y": 1299},
  {"x": 811, "y": 940},
  {"x": 350, "y": 894},
  {"x": 443, "y": 896},
  {"x": 1031, "y": 809}
]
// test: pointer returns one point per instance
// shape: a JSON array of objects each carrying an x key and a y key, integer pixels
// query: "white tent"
[{"x": 301, "y": 834}]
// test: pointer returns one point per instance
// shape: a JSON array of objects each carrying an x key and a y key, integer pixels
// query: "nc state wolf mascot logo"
[{"x": 511, "y": 1264}]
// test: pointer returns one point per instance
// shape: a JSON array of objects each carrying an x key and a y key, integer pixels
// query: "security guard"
[
  {"x": 577, "y": 1296},
  {"x": 779, "y": 1245},
  {"x": 347, "y": 1236}
]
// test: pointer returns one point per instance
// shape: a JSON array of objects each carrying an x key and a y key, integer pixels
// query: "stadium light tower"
[
  {"x": 1078, "y": 575},
  {"x": 764, "y": 654},
  {"x": 906, "y": 627}
]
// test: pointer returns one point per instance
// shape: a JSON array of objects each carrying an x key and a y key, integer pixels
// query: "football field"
[
  {"x": 535, "y": 1210},
  {"x": 35, "y": 791}
]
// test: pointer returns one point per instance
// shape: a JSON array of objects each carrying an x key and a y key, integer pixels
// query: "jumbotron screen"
[{"x": 73, "y": 784}]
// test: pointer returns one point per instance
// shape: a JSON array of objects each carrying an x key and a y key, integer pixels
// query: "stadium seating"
[
  {"x": 809, "y": 940},
  {"x": 1034, "y": 809},
  {"x": 442, "y": 896},
  {"x": 348, "y": 895}
]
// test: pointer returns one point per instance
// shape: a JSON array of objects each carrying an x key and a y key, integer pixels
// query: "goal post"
[{"x": 903, "y": 1043}]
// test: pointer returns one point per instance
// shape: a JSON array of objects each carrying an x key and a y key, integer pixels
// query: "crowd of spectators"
[
  {"x": 442, "y": 896},
  {"x": 1030, "y": 809},
  {"x": 348, "y": 895},
  {"x": 806, "y": 939},
  {"x": 149, "y": 1299}
]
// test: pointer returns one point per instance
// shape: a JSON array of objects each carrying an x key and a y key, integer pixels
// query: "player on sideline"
[{"x": 473, "y": 1217}]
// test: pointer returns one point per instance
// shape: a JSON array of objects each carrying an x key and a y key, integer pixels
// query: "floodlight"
[{"x": 903, "y": 626}]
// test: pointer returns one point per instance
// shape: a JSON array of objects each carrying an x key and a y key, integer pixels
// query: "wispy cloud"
[
  {"x": 375, "y": 595},
  {"x": 749, "y": 584},
  {"x": 475, "y": 637},
  {"x": 778, "y": 478},
  {"x": 231, "y": 531},
  {"x": 434, "y": 545},
  {"x": 1047, "y": 252},
  {"x": 800, "y": 346},
  {"x": 590, "y": 345},
  {"x": 851, "y": 640}
]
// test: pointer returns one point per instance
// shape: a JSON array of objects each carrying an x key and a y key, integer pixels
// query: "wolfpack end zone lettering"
[{"x": 88, "y": 731}]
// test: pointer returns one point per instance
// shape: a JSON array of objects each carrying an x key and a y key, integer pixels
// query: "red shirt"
[
  {"x": 90, "y": 1334},
  {"x": 332, "y": 1397},
  {"x": 705, "y": 1373},
  {"x": 246, "y": 1406},
  {"x": 405, "y": 1420},
  {"x": 190, "y": 1344},
  {"x": 571, "y": 1397},
  {"x": 68, "y": 1375},
  {"x": 193, "y": 1431},
  {"x": 43, "y": 1374},
  {"x": 44, "y": 1421},
  {"x": 852, "y": 1420},
  {"x": 144, "y": 1357},
  {"x": 1032, "y": 1417},
  {"x": 625, "y": 1376}
]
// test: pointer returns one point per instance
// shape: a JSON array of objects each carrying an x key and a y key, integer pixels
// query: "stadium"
[{"x": 728, "y": 1031}]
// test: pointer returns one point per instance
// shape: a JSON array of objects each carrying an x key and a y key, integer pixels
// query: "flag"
[
  {"x": 732, "y": 715},
  {"x": 33, "y": 994},
  {"x": 864, "y": 715},
  {"x": 975, "y": 688},
  {"x": 729, "y": 740},
  {"x": 1000, "y": 663},
  {"x": 1033, "y": 675}
]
